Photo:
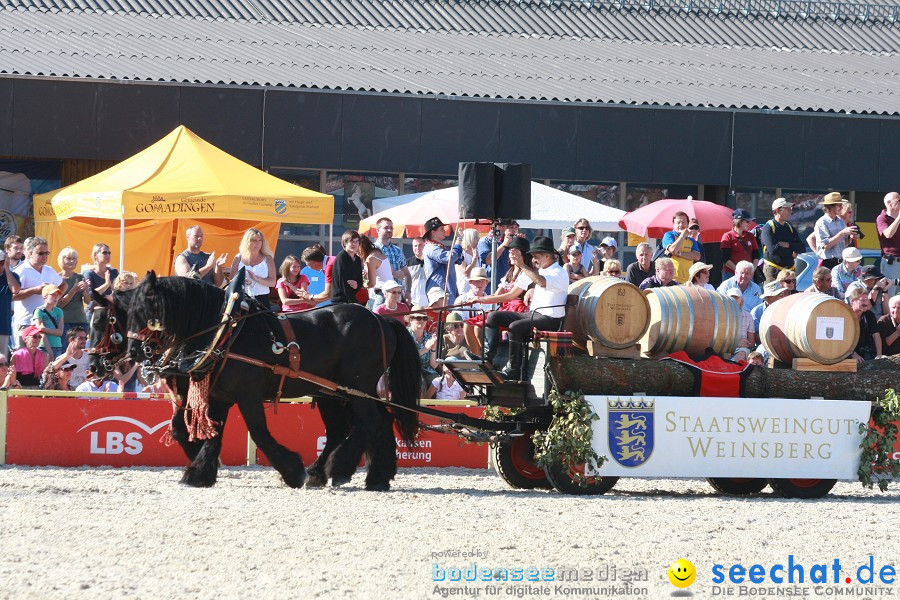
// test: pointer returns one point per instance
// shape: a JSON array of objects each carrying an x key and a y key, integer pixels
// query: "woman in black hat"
[
  {"x": 440, "y": 272},
  {"x": 548, "y": 305}
]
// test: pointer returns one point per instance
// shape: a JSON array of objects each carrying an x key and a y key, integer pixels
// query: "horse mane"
[{"x": 182, "y": 305}]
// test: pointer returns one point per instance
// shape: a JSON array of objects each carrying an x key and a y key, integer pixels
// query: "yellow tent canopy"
[{"x": 180, "y": 181}]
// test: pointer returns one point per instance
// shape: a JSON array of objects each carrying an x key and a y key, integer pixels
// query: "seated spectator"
[
  {"x": 28, "y": 363},
  {"x": 392, "y": 306},
  {"x": 607, "y": 252},
  {"x": 96, "y": 383},
  {"x": 127, "y": 280},
  {"x": 889, "y": 328},
  {"x": 74, "y": 353},
  {"x": 876, "y": 286},
  {"x": 788, "y": 280},
  {"x": 454, "y": 343},
  {"x": 48, "y": 318},
  {"x": 643, "y": 269},
  {"x": 128, "y": 376},
  {"x": 664, "y": 274},
  {"x": 445, "y": 387},
  {"x": 845, "y": 273},
  {"x": 573, "y": 265},
  {"x": 425, "y": 343},
  {"x": 474, "y": 317},
  {"x": 756, "y": 359},
  {"x": 743, "y": 280},
  {"x": 58, "y": 378},
  {"x": 293, "y": 286},
  {"x": 612, "y": 268},
  {"x": 746, "y": 343},
  {"x": 699, "y": 276},
  {"x": 772, "y": 293},
  {"x": 314, "y": 271},
  {"x": 821, "y": 283},
  {"x": 7, "y": 374},
  {"x": 869, "y": 345}
]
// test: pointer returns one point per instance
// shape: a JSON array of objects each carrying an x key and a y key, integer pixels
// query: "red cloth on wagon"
[{"x": 715, "y": 376}]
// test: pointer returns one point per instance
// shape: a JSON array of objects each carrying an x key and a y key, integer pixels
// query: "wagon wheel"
[
  {"x": 561, "y": 478},
  {"x": 802, "y": 488},
  {"x": 515, "y": 464},
  {"x": 737, "y": 486}
]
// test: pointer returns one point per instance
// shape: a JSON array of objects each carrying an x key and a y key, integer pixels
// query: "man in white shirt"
[
  {"x": 75, "y": 354},
  {"x": 548, "y": 304},
  {"x": 33, "y": 274}
]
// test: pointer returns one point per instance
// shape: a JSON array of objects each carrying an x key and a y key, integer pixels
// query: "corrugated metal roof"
[{"x": 684, "y": 60}]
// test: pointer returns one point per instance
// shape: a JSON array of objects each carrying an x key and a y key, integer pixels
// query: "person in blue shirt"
[
  {"x": 509, "y": 232},
  {"x": 439, "y": 264},
  {"x": 314, "y": 259}
]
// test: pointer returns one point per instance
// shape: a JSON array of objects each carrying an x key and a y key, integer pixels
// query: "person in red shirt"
[{"x": 738, "y": 244}]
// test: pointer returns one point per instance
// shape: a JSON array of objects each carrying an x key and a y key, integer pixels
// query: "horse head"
[
  {"x": 147, "y": 315},
  {"x": 109, "y": 321}
]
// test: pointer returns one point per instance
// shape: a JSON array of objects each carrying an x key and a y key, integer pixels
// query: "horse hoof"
[
  {"x": 316, "y": 481},
  {"x": 192, "y": 479},
  {"x": 378, "y": 487},
  {"x": 294, "y": 480},
  {"x": 339, "y": 481}
]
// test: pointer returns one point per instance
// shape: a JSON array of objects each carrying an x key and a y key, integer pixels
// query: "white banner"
[{"x": 666, "y": 436}]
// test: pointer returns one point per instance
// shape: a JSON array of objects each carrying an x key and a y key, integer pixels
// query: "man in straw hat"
[
  {"x": 832, "y": 233},
  {"x": 548, "y": 304},
  {"x": 440, "y": 275}
]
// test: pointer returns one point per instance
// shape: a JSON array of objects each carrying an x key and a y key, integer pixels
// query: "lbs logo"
[
  {"x": 117, "y": 442},
  {"x": 630, "y": 430}
]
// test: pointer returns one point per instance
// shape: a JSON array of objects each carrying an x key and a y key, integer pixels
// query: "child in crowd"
[
  {"x": 293, "y": 286},
  {"x": 756, "y": 359},
  {"x": 28, "y": 363},
  {"x": 474, "y": 317},
  {"x": 446, "y": 387},
  {"x": 574, "y": 267},
  {"x": 48, "y": 318},
  {"x": 127, "y": 280}
]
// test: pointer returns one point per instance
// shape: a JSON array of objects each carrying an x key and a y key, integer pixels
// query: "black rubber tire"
[
  {"x": 562, "y": 481},
  {"x": 802, "y": 488},
  {"x": 514, "y": 464},
  {"x": 737, "y": 486}
]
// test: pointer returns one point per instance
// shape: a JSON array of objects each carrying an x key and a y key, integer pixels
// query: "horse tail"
[{"x": 406, "y": 381}]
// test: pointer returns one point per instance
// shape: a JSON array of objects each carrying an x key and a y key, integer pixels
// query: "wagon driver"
[{"x": 547, "y": 305}]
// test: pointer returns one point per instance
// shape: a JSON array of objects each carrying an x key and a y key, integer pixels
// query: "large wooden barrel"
[
  {"x": 691, "y": 319},
  {"x": 814, "y": 326},
  {"x": 610, "y": 311}
]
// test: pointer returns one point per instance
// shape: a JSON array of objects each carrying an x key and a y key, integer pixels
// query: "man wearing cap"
[
  {"x": 548, "y": 304},
  {"x": 738, "y": 244},
  {"x": 34, "y": 274},
  {"x": 887, "y": 225},
  {"x": 832, "y": 233},
  {"x": 566, "y": 240},
  {"x": 9, "y": 285},
  {"x": 193, "y": 262},
  {"x": 607, "y": 247},
  {"x": 780, "y": 242},
  {"x": 743, "y": 281},
  {"x": 889, "y": 328},
  {"x": 392, "y": 305},
  {"x": 847, "y": 271},
  {"x": 641, "y": 269},
  {"x": 681, "y": 247},
  {"x": 772, "y": 292},
  {"x": 875, "y": 285},
  {"x": 440, "y": 274},
  {"x": 509, "y": 232}
]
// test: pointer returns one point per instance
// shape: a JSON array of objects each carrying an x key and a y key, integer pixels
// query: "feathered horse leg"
[
  {"x": 336, "y": 418},
  {"x": 286, "y": 462}
]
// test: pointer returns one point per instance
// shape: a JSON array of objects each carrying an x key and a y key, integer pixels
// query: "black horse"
[
  {"x": 109, "y": 346},
  {"x": 344, "y": 344}
]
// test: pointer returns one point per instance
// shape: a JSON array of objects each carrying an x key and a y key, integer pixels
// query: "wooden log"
[{"x": 593, "y": 375}]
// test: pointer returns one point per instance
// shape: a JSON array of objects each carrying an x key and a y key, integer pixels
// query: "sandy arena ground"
[{"x": 136, "y": 533}]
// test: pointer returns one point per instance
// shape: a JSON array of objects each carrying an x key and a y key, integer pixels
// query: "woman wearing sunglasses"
[
  {"x": 100, "y": 276},
  {"x": 425, "y": 343}
]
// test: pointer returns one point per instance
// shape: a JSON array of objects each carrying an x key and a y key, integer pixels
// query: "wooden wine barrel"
[
  {"x": 814, "y": 326},
  {"x": 691, "y": 319},
  {"x": 610, "y": 311}
]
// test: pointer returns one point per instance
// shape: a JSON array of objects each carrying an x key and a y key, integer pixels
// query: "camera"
[{"x": 694, "y": 227}]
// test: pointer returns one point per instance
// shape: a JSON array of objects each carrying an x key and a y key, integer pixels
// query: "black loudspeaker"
[
  {"x": 476, "y": 190},
  {"x": 513, "y": 192},
  {"x": 495, "y": 191}
]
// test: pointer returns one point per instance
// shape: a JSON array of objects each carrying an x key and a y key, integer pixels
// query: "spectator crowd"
[{"x": 45, "y": 312}]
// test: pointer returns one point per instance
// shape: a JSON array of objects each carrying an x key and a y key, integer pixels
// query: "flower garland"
[
  {"x": 875, "y": 460},
  {"x": 568, "y": 439}
]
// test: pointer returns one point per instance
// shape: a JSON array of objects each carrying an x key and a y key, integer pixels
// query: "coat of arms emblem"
[{"x": 630, "y": 430}]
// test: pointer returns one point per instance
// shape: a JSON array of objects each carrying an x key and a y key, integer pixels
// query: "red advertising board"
[
  {"x": 70, "y": 432},
  {"x": 298, "y": 427}
]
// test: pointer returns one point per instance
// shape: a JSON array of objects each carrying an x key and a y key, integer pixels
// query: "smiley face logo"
[{"x": 682, "y": 573}]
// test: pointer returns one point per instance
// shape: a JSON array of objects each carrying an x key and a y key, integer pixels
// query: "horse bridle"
[{"x": 110, "y": 342}]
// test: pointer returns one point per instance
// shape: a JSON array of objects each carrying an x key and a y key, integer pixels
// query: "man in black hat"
[
  {"x": 873, "y": 282},
  {"x": 440, "y": 274},
  {"x": 548, "y": 304},
  {"x": 738, "y": 244}
]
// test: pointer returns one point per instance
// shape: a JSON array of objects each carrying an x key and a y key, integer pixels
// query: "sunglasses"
[
  {"x": 106, "y": 252},
  {"x": 418, "y": 318},
  {"x": 614, "y": 272},
  {"x": 392, "y": 292},
  {"x": 583, "y": 228},
  {"x": 44, "y": 253},
  {"x": 789, "y": 280},
  {"x": 457, "y": 326}
]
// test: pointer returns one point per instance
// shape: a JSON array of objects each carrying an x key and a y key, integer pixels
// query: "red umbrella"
[{"x": 655, "y": 219}]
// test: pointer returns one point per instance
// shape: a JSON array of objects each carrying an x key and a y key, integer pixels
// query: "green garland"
[
  {"x": 568, "y": 439},
  {"x": 878, "y": 444}
]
